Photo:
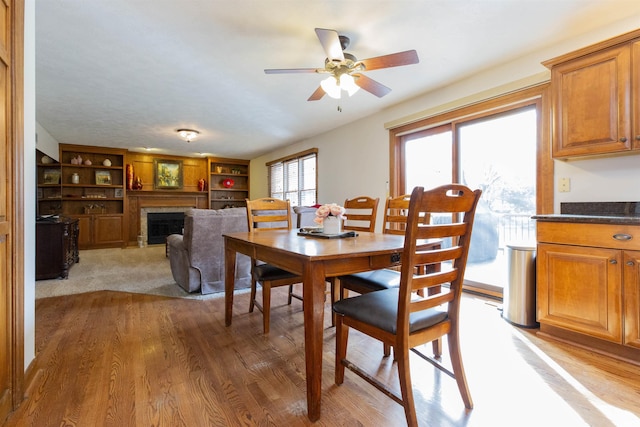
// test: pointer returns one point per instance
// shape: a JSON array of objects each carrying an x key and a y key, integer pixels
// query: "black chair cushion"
[
  {"x": 269, "y": 272},
  {"x": 380, "y": 309},
  {"x": 376, "y": 280}
]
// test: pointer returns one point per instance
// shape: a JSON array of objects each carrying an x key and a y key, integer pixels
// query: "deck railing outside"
[{"x": 516, "y": 228}]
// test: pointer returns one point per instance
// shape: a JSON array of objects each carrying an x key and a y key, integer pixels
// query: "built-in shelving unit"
[
  {"x": 49, "y": 193},
  {"x": 223, "y": 172},
  {"x": 92, "y": 189}
]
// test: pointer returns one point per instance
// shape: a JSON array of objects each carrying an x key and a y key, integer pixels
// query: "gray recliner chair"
[{"x": 197, "y": 257}]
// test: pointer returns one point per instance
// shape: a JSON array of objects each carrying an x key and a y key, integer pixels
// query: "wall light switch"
[{"x": 564, "y": 185}]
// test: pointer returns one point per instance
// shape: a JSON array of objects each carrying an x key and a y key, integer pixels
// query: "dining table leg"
[
  {"x": 229, "y": 279},
  {"x": 313, "y": 292}
]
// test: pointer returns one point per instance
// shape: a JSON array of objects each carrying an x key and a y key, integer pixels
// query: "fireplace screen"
[{"x": 162, "y": 224}]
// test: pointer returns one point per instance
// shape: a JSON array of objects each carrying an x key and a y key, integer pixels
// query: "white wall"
[
  {"x": 354, "y": 159},
  {"x": 46, "y": 143},
  {"x": 29, "y": 180}
]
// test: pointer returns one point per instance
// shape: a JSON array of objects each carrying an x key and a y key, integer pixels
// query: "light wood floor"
[{"x": 118, "y": 359}]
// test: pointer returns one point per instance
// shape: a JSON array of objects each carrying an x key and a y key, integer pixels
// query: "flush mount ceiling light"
[{"x": 188, "y": 134}]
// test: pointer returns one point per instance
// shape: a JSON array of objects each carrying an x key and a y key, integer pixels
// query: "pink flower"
[{"x": 329, "y": 210}]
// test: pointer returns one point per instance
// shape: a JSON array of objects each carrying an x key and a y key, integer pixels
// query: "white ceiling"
[{"x": 128, "y": 73}]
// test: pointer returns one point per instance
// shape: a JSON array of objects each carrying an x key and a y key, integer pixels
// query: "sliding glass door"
[{"x": 496, "y": 153}]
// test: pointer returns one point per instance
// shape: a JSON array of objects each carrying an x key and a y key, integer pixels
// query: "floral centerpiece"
[{"x": 331, "y": 217}]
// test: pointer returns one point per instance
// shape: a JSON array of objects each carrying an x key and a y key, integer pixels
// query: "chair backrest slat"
[
  {"x": 396, "y": 210},
  {"x": 456, "y": 201},
  {"x": 268, "y": 214},
  {"x": 361, "y": 213}
]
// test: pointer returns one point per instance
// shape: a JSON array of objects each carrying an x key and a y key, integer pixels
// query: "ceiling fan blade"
[
  {"x": 407, "y": 57},
  {"x": 370, "y": 85},
  {"x": 290, "y": 70},
  {"x": 318, "y": 94},
  {"x": 331, "y": 44}
]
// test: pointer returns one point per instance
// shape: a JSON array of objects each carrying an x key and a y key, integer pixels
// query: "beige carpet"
[{"x": 139, "y": 270}]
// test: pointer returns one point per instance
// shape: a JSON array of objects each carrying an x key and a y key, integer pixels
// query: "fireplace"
[
  {"x": 146, "y": 213},
  {"x": 142, "y": 203},
  {"x": 162, "y": 224}
]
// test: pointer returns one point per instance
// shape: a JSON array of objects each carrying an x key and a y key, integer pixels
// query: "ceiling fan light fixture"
[
  {"x": 188, "y": 134},
  {"x": 330, "y": 86},
  {"x": 333, "y": 85},
  {"x": 348, "y": 83}
]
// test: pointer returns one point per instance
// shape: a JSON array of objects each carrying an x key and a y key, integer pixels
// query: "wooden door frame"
[{"x": 17, "y": 173}]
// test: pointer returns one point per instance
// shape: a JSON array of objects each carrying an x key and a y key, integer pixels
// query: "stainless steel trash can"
[{"x": 519, "y": 297}]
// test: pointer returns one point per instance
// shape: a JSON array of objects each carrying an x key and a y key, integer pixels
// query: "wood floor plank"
[{"x": 120, "y": 359}]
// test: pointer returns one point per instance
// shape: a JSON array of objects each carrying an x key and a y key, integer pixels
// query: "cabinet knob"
[
  {"x": 622, "y": 236},
  {"x": 629, "y": 263},
  {"x": 613, "y": 261},
  {"x": 638, "y": 137},
  {"x": 623, "y": 139}
]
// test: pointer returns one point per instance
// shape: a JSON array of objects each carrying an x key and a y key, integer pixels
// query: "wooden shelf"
[
  {"x": 221, "y": 169},
  {"x": 98, "y": 207}
]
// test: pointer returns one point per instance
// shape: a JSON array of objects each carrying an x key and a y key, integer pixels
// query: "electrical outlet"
[{"x": 564, "y": 185}]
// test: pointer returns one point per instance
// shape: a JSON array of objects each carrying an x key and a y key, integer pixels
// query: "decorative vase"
[
  {"x": 137, "y": 184},
  {"x": 332, "y": 225},
  {"x": 129, "y": 177},
  {"x": 106, "y": 162},
  {"x": 75, "y": 178}
]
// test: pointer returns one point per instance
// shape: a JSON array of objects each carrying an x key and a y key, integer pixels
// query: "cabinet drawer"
[{"x": 580, "y": 234}]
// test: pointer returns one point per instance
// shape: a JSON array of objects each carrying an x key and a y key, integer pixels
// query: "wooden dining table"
[{"x": 315, "y": 259}]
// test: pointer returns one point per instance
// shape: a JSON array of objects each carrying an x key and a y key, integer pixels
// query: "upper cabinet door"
[
  {"x": 635, "y": 97},
  {"x": 592, "y": 111}
]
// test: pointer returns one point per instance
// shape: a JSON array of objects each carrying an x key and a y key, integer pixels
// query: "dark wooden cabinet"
[{"x": 56, "y": 247}]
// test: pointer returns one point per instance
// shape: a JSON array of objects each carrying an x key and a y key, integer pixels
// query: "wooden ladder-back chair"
[
  {"x": 395, "y": 218},
  {"x": 397, "y": 316},
  {"x": 395, "y": 222},
  {"x": 361, "y": 213},
  {"x": 269, "y": 214}
]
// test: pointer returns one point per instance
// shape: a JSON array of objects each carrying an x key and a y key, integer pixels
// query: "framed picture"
[
  {"x": 168, "y": 174},
  {"x": 51, "y": 176},
  {"x": 103, "y": 178},
  {"x": 118, "y": 193}
]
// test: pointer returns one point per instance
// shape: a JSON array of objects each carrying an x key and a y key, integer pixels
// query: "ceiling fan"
[{"x": 345, "y": 70}]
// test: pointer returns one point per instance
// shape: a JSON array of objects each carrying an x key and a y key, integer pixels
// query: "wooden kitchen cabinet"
[
  {"x": 631, "y": 291},
  {"x": 595, "y": 110},
  {"x": 588, "y": 285},
  {"x": 580, "y": 288}
]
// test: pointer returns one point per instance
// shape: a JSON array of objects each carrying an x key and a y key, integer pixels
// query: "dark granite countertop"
[
  {"x": 589, "y": 219},
  {"x": 596, "y": 213}
]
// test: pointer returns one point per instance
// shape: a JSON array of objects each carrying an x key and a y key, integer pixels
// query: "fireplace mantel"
[{"x": 140, "y": 202}]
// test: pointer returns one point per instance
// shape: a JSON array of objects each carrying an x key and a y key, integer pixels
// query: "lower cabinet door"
[
  {"x": 580, "y": 289},
  {"x": 107, "y": 229},
  {"x": 632, "y": 298},
  {"x": 85, "y": 231}
]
